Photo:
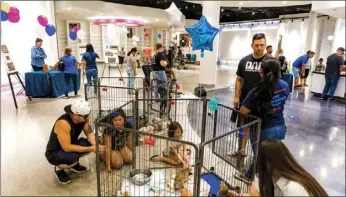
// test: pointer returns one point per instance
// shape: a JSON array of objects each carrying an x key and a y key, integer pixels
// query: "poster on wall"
[{"x": 10, "y": 67}]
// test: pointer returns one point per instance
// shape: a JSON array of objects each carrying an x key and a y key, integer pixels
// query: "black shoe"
[
  {"x": 62, "y": 177},
  {"x": 330, "y": 99},
  {"x": 78, "y": 169},
  {"x": 66, "y": 97}
]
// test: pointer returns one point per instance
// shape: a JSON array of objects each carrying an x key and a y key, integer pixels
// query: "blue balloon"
[
  {"x": 159, "y": 35},
  {"x": 4, "y": 16},
  {"x": 202, "y": 35},
  {"x": 50, "y": 29},
  {"x": 73, "y": 35}
]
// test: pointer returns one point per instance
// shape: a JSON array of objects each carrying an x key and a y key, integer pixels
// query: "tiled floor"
[{"x": 316, "y": 137}]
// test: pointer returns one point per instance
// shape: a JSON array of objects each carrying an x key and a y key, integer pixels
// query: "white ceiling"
[
  {"x": 335, "y": 12},
  {"x": 258, "y": 3}
]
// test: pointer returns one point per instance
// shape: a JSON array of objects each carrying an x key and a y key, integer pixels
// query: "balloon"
[
  {"x": 159, "y": 36},
  {"x": 13, "y": 18},
  {"x": 135, "y": 38},
  {"x": 73, "y": 35},
  {"x": 42, "y": 20},
  {"x": 5, "y": 7},
  {"x": 4, "y": 15},
  {"x": 14, "y": 10},
  {"x": 40, "y": 31},
  {"x": 80, "y": 34},
  {"x": 50, "y": 29},
  {"x": 213, "y": 103},
  {"x": 76, "y": 28},
  {"x": 202, "y": 35},
  {"x": 134, "y": 43},
  {"x": 174, "y": 15},
  {"x": 146, "y": 34}
]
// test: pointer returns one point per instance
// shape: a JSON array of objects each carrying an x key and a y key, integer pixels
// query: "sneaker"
[
  {"x": 62, "y": 177},
  {"x": 330, "y": 99},
  {"x": 78, "y": 169}
]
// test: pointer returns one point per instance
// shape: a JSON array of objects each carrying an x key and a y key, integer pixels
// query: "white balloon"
[
  {"x": 174, "y": 15},
  {"x": 134, "y": 43},
  {"x": 40, "y": 31},
  {"x": 135, "y": 38},
  {"x": 80, "y": 34}
]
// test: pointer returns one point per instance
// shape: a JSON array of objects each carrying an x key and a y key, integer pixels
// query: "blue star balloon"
[
  {"x": 202, "y": 35},
  {"x": 159, "y": 36}
]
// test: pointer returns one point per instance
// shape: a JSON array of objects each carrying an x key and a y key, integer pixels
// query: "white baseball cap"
[{"x": 79, "y": 107}]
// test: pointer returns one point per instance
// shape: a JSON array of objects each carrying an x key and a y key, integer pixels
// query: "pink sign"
[{"x": 119, "y": 21}]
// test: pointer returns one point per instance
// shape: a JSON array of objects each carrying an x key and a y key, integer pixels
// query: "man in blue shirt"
[
  {"x": 299, "y": 67},
  {"x": 37, "y": 55}
]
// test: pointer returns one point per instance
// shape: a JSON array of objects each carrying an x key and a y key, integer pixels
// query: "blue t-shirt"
[
  {"x": 69, "y": 63},
  {"x": 275, "y": 116},
  {"x": 300, "y": 61},
  {"x": 90, "y": 58}
]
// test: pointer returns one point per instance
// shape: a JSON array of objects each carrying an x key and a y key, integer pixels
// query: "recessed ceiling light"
[
  {"x": 241, "y": 3},
  {"x": 158, "y": 1},
  {"x": 222, "y": 10},
  {"x": 283, "y": 2},
  {"x": 194, "y": 6},
  {"x": 179, "y": 8},
  {"x": 186, "y": 7},
  {"x": 253, "y": 13}
]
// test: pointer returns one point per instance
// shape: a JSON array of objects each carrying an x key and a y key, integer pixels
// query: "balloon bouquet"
[
  {"x": 49, "y": 28},
  {"x": 77, "y": 33},
  {"x": 9, "y": 13}
]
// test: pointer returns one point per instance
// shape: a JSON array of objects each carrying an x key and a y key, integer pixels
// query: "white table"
[{"x": 318, "y": 82}]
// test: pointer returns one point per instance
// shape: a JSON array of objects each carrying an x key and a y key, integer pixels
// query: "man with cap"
[
  {"x": 37, "y": 55},
  {"x": 299, "y": 66},
  {"x": 335, "y": 64},
  {"x": 64, "y": 148}
]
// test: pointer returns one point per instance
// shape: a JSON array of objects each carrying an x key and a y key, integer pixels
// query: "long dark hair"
[
  {"x": 89, "y": 48},
  {"x": 265, "y": 89},
  {"x": 275, "y": 159},
  {"x": 134, "y": 49}
]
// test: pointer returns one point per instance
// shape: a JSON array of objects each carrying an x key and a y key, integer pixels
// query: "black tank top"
[{"x": 76, "y": 129}]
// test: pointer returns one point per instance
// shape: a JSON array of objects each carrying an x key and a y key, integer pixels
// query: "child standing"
[{"x": 320, "y": 67}]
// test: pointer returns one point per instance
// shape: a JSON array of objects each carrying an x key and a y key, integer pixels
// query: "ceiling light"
[
  {"x": 222, "y": 10},
  {"x": 194, "y": 6},
  {"x": 179, "y": 8},
  {"x": 241, "y": 3},
  {"x": 283, "y": 2},
  {"x": 253, "y": 13},
  {"x": 186, "y": 7},
  {"x": 158, "y": 1}
]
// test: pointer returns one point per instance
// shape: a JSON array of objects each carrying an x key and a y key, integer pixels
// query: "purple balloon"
[
  {"x": 76, "y": 28},
  {"x": 42, "y": 20},
  {"x": 14, "y": 10},
  {"x": 13, "y": 18}
]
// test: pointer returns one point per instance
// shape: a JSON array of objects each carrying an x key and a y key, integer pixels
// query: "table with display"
[
  {"x": 318, "y": 82},
  {"x": 52, "y": 84}
]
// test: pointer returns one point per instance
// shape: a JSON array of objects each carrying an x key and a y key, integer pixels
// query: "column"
[
  {"x": 208, "y": 66},
  {"x": 310, "y": 33},
  {"x": 339, "y": 35}
]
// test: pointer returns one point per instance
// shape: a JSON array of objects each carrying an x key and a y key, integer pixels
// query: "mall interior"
[{"x": 201, "y": 48}]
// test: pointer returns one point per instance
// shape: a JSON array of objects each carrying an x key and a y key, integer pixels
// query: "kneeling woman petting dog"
[{"x": 118, "y": 143}]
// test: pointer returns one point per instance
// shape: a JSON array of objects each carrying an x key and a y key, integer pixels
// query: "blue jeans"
[
  {"x": 331, "y": 85},
  {"x": 131, "y": 80},
  {"x": 161, "y": 79},
  {"x": 68, "y": 78},
  {"x": 273, "y": 133},
  {"x": 92, "y": 73}
]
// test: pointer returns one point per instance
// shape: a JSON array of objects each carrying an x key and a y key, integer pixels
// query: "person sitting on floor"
[
  {"x": 64, "y": 148},
  {"x": 118, "y": 143},
  {"x": 171, "y": 154}
]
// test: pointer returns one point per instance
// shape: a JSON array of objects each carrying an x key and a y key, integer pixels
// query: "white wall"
[
  {"x": 326, "y": 45},
  {"x": 20, "y": 37},
  {"x": 236, "y": 41}
]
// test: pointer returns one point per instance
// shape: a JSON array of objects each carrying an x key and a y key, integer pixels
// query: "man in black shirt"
[
  {"x": 335, "y": 63},
  {"x": 64, "y": 148},
  {"x": 248, "y": 74},
  {"x": 159, "y": 72}
]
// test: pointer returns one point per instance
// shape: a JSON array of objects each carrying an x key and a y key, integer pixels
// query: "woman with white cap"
[{"x": 64, "y": 148}]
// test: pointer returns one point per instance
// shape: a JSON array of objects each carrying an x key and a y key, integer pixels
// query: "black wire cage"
[{"x": 214, "y": 142}]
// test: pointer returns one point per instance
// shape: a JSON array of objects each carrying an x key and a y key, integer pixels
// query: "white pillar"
[
  {"x": 310, "y": 33},
  {"x": 208, "y": 67},
  {"x": 339, "y": 35}
]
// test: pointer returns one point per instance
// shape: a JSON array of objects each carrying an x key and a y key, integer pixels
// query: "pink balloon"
[
  {"x": 14, "y": 10},
  {"x": 42, "y": 20},
  {"x": 13, "y": 18},
  {"x": 76, "y": 28}
]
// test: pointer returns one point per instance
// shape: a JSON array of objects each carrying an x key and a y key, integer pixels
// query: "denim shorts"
[
  {"x": 296, "y": 72},
  {"x": 273, "y": 133}
]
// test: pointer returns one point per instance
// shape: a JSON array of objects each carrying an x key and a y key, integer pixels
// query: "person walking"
[
  {"x": 70, "y": 70},
  {"x": 160, "y": 62},
  {"x": 335, "y": 63},
  {"x": 131, "y": 69},
  {"x": 121, "y": 56},
  {"x": 89, "y": 61}
]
